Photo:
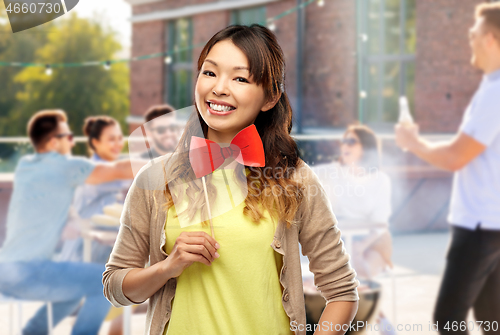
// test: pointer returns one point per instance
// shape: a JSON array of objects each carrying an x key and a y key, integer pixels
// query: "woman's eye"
[
  {"x": 244, "y": 80},
  {"x": 208, "y": 73}
]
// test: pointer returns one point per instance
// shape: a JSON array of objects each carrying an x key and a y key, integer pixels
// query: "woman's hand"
[{"x": 191, "y": 247}]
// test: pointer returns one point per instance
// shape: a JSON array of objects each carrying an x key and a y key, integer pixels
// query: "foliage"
[{"x": 80, "y": 91}]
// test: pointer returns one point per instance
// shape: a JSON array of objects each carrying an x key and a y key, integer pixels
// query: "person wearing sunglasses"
[
  {"x": 162, "y": 129},
  {"x": 43, "y": 190},
  {"x": 104, "y": 144},
  {"x": 361, "y": 193}
]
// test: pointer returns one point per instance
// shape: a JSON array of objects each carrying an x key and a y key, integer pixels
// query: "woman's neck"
[
  {"x": 97, "y": 156},
  {"x": 220, "y": 137}
]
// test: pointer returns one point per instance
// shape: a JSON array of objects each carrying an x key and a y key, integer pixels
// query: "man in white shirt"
[{"x": 472, "y": 274}]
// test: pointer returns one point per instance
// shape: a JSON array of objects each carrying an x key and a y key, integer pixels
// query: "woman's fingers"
[
  {"x": 209, "y": 238},
  {"x": 202, "y": 238},
  {"x": 198, "y": 249},
  {"x": 199, "y": 243},
  {"x": 202, "y": 241},
  {"x": 193, "y": 257}
]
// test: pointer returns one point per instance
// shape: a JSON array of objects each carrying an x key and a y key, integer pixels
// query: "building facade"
[
  {"x": 358, "y": 56},
  {"x": 353, "y": 62}
]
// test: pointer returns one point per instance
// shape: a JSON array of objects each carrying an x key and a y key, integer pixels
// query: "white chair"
[
  {"x": 390, "y": 271},
  {"x": 12, "y": 302},
  {"x": 385, "y": 270}
]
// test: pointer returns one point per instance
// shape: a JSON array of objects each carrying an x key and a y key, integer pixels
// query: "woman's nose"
[{"x": 221, "y": 87}]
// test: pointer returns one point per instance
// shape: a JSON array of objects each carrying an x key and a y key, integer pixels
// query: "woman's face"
[
  {"x": 227, "y": 98},
  {"x": 110, "y": 145},
  {"x": 351, "y": 149}
]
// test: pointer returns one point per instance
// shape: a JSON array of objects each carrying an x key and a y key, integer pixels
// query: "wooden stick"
[{"x": 208, "y": 207}]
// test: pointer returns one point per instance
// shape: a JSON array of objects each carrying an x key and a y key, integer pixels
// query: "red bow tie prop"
[{"x": 246, "y": 148}]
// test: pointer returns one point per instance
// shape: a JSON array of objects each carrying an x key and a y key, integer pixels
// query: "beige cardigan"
[{"x": 142, "y": 238}]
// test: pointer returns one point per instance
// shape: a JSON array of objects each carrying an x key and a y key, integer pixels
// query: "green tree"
[
  {"x": 80, "y": 91},
  {"x": 18, "y": 47}
]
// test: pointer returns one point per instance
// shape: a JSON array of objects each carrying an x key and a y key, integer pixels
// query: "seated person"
[
  {"x": 361, "y": 193},
  {"x": 105, "y": 143},
  {"x": 44, "y": 185}
]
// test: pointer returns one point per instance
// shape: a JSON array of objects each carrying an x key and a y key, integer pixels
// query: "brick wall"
[
  {"x": 445, "y": 80},
  {"x": 146, "y": 76},
  {"x": 444, "y": 84},
  {"x": 329, "y": 72},
  {"x": 330, "y": 97}
]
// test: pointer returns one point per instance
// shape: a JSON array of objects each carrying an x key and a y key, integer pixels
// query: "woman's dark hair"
[
  {"x": 266, "y": 63},
  {"x": 370, "y": 143},
  {"x": 93, "y": 127}
]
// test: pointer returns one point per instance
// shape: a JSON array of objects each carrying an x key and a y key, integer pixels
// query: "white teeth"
[{"x": 220, "y": 108}]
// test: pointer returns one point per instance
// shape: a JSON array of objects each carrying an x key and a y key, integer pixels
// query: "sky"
[{"x": 117, "y": 12}]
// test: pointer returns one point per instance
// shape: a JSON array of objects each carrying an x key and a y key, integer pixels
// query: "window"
[
  {"x": 247, "y": 16},
  {"x": 386, "y": 63},
  {"x": 179, "y": 73}
]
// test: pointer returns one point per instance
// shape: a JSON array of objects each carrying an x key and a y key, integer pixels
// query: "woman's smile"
[
  {"x": 226, "y": 95},
  {"x": 216, "y": 107}
]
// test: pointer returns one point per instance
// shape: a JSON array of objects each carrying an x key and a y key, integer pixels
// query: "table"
[
  {"x": 94, "y": 234},
  {"x": 351, "y": 228}
]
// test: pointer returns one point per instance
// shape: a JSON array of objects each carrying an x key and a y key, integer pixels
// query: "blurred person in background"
[
  {"x": 361, "y": 193},
  {"x": 164, "y": 130},
  {"x": 472, "y": 275},
  {"x": 43, "y": 189},
  {"x": 104, "y": 143}
]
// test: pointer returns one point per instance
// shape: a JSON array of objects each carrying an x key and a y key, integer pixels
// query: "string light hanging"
[{"x": 270, "y": 23}]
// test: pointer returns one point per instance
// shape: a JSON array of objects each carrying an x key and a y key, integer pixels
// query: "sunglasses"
[
  {"x": 68, "y": 135},
  {"x": 349, "y": 141},
  {"x": 162, "y": 129}
]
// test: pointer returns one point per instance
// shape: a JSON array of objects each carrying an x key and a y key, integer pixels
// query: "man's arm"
[
  {"x": 452, "y": 155},
  {"x": 105, "y": 172}
]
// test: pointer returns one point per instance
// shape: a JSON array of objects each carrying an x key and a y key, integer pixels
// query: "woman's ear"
[
  {"x": 95, "y": 142},
  {"x": 271, "y": 103}
]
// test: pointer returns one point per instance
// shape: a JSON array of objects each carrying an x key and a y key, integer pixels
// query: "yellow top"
[{"x": 240, "y": 293}]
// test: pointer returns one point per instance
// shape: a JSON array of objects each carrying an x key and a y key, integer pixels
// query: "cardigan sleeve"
[
  {"x": 131, "y": 249},
  {"x": 319, "y": 237}
]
